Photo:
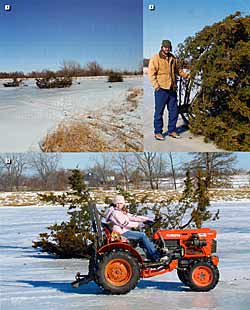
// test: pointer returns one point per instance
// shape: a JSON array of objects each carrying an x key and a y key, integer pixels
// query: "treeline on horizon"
[
  {"x": 70, "y": 69},
  {"x": 44, "y": 171}
]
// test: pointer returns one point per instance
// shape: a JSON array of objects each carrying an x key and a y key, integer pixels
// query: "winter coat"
[
  {"x": 123, "y": 221},
  {"x": 162, "y": 71}
]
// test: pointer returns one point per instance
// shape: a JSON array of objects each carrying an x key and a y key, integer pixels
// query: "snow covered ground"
[
  {"x": 27, "y": 113},
  {"x": 34, "y": 280},
  {"x": 188, "y": 143}
]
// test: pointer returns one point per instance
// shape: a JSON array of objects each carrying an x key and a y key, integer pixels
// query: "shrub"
[
  {"x": 71, "y": 238},
  {"x": 54, "y": 82},
  {"x": 115, "y": 77}
]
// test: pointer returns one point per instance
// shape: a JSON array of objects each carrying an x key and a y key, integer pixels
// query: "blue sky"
[
  {"x": 86, "y": 160},
  {"x": 176, "y": 20},
  {"x": 39, "y": 34}
]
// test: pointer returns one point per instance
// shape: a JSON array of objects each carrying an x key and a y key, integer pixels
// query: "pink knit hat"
[{"x": 119, "y": 199}]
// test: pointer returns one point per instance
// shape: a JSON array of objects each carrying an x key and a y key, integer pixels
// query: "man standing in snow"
[{"x": 162, "y": 71}]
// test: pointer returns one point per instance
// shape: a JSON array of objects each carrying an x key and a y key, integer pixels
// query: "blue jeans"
[
  {"x": 149, "y": 246},
  {"x": 165, "y": 97}
]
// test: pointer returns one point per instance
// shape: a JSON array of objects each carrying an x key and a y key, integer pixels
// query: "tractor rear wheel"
[
  {"x": 117, "y": 272},
  {"x": 183, "y": 276},
  {"x": 203, "y": 277}
]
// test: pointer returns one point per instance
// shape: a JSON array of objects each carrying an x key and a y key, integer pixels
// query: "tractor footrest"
[
  {"x": 153, "y": 264},
  {"x": 81, "y": 280}
]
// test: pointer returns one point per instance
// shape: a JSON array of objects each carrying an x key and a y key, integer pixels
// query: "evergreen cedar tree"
[
  {"x": 219, "y": 59},
  {"x": 72, "y": 238}
]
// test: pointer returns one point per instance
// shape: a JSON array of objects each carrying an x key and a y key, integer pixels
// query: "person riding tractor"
[{"x": 123, "y": 221}]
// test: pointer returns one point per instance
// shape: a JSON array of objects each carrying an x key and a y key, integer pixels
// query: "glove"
[{"x": 158, "y": 218}]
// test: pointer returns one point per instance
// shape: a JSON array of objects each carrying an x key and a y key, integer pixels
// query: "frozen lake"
[
  {"x": 27, "y": 113},
  {"x": 34, "y": 280}
]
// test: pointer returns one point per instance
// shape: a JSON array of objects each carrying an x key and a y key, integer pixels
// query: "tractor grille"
[{"x": 214, "y": 246}]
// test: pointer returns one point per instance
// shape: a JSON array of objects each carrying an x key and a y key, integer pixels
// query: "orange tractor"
[{"x": 116, "y": 265}]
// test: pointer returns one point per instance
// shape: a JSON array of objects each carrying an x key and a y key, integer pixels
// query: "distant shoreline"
[{"x": 98, "y": 77}]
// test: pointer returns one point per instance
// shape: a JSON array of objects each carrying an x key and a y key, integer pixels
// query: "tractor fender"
[
  {"x": 215, "y": 260},
  {"x": 121, "y": 245}
]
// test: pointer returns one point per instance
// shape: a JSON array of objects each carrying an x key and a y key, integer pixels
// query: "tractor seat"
[
  {"x": 108, "y": 226},
  {"x": 111, "y": 235}
]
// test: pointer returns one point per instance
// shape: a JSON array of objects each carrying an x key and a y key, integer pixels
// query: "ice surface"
[
  {"x": 34, "y": 280},
  {"x": 27, "y": 113}
]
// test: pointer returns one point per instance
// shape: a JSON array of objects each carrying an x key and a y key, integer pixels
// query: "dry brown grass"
[
  {"x": 114, "y": 130},
  {"x": 122, "y": 141},
  {"x": 74, "y": 137},
  {"x": 80, "y": 137},
  {"x": 18, "y": 199},
  {"x": 100, "y": 195},
  {"x": 133, "y": 93},
  {"x": 133, "y": 97},
  {"x": 229, "y": 194}
]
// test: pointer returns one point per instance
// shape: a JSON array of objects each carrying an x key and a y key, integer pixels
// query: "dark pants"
[{"x": 165, "y": 97}]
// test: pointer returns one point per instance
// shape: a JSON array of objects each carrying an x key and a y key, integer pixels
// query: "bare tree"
[
  {"x": 124, "y": 163},
  {"x": 152, "y": 165},
  {"x": 45, "y": 164},
  {"x": 102, "y": 169},
  {"x": 71, "y": 68},
  {"x": 136, "y": 178},
  {"x": 172, "y": 169},
  {"x": 93, "y": 68},
  {"x": 216, "y": 166},
  {"x": 13, "y": 166}
]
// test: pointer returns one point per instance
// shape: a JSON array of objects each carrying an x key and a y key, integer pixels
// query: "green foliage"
[
  {"x": 77, "y": 183},
  {"x": 192, "y": 206},
  {"x": 200, "y": 214},
  {"x": 107, "y": 200},
  {"x": 115, "y": 77},
  {"x": 52, "y": 198},
  {"x": 219, "y": 59},
  {"x": 196, "y": 198},
  {"x": 14, "y": 83},
  {"x": 54, "y": 82},
  {"x": 65, "y": 240},
  {"x": 71, "y": 238},
  {"x": 186, "y": 200}
]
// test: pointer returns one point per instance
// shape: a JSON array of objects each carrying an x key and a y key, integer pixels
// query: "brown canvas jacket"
[{"x": 162, "y": 71}]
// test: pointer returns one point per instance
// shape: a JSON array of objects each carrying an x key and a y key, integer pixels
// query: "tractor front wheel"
[
  {"x": 117, "y": 272},
  {"x": 203, "y": 277}
]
